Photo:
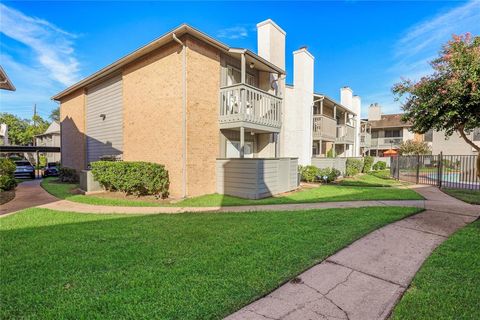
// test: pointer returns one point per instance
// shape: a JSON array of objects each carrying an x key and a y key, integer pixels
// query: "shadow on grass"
[{"x": 186, "y": 266}]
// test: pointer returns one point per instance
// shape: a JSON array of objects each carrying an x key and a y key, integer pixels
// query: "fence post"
[
  {"x": 440, "y": 170},
  {"x": 418, "y": 169}
]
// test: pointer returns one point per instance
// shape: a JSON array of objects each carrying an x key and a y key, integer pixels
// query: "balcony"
[
  {"x": 345, "y": 134},
  {"x": 324, "y": 128},
  {"x": 242, "y": 105},
  {"x": 386, "y": 143}
]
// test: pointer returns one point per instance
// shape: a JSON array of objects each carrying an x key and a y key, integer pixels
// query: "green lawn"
[
  {"x": 372, "y": 179},
  {"x": 470, "y": 196},
  {"x": 448, "y": 284},
  {"x": 323, "y": 193},
  {"x": 60, "y": 265}
]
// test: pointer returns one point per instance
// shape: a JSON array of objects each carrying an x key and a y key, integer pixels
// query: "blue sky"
[{"x": 46, "y": 46}]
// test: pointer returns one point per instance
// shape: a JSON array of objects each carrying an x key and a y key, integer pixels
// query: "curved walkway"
[
  {"x": 27, "y": 194},
  {"x": 366, "y": 279},
  {"x": 65, "y": 205}
]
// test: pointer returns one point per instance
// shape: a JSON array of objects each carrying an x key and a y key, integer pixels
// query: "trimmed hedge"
[
  {"x": 353, "y": 167},
  {"x": 380, "y": 165},
  {"x": 367, "y": 164},
  {"x": 66, "y": 174},
  {"x": 313, "y": 174},
  {"x": 7, "y": 170},
  {"x": 132, "y": 177}
]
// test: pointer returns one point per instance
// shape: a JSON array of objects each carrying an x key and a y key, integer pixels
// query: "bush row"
[
  {"x": 137, "y": 178},
  {"x": 380, "y": 165},
  {"x": 7, "y": 170},
  {"x": 353, "y": 167},
  {"x": 314, "y": 174}
]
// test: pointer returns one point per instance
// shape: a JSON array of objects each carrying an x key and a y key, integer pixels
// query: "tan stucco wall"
[
  {"x": 454, "y": 145},
  {"x": 152, "y": 97},
  {"x": 72, "y": 121},
  {"x": 203, "y": 88}
]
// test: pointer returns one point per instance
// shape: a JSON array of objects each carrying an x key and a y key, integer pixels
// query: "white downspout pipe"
[{"x": 184, "y": 115}]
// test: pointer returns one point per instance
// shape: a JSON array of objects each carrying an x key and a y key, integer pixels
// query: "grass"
[
  {"x": 448, "y": 284},
  {"x": 372, "y": 179},
  {"x": 469, "y": 196},
  {"x": 59, "y": 265},
  {"x": 323, "y": 193}
]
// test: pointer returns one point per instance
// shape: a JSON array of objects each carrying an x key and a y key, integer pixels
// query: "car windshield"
[{"x": 22, "y": 163}]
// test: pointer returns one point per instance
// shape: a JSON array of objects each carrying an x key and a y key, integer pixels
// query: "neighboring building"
[
  {"x": 453, "y": 145},
  {"x": 381, "y": 132},
  {"x": 5, "y": 82},
  {"x": 50, "y": 138},
  {"x": 4, "y": 134},
  {"x": 195, "y": 105}
]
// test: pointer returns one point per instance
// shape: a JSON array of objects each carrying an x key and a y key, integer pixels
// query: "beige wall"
[
  {"x": 454, "y": 145},
  {"x": 152, "y": 97},
  {"x": 203, "y": 89},
  {"x": 72, "y": 122}
]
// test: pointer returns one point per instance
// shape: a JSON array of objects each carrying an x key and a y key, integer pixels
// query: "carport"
[{"x": 30, "y": 149}]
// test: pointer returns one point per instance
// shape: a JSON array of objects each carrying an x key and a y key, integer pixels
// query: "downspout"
[{"x": 184, "y": 116}]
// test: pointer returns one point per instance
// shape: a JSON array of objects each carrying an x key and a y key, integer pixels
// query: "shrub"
[
  {"x": 330, "y": 153},
  {"x": 309, "y": 173},
  {"x": 132, "y": 177},
  {"x": 367, "y": 164},
  {"x": 7, "y": 179},
  {"x": 380, "y": 165},
  {"x": 353, "y": 167},
  {"x": 331, "y": 174},
  {"x": 66, "y": 174}
]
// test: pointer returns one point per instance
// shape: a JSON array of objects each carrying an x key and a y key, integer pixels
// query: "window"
[
  {"x": 233, "y": 149},
  {"x": 476, "y": 134},
  {"x": 428, "y": 136},
  {"x": 374, "y": 134},
  {"x": 393, "y": 133},
  {"x": 234, "y": 76}
]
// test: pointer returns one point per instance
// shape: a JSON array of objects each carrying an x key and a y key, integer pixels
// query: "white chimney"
[
  {"x": 357, "y": 108},
  {"x": 298, "y": 106},
  {"x": 271, "y": 42},
  {"x": 346, "y": 96},
  {"x": 374, "y": 112}
]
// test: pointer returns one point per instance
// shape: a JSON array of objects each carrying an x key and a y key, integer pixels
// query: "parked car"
[
  {"x": 24, "y": 169},
  {"x": 51, "y": 170}
]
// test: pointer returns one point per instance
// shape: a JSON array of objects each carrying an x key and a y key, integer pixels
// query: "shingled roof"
[{"x": 389, "y": 121}]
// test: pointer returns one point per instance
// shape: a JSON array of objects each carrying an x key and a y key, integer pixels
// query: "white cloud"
[
  {"x": 418, "y": 46},
  {"x": 52, "y": 46},
  {"x": 237, "y": 32},
  {"x": 421, "y": 43}
]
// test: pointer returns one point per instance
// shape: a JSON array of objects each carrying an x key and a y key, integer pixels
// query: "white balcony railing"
[
  {"x": 324, "y": 127},
  {"x": 345, "y": 134},
  {"x": 259, "y": 108}
]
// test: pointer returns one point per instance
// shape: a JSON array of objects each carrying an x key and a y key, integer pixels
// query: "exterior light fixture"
[{"x": 103, "y": 116}]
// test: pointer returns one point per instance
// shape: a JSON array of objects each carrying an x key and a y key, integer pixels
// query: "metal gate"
[{"x": 452, "y": 171}]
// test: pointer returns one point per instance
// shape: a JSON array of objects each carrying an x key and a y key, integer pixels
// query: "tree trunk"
[{"x": 474, "y": 146}]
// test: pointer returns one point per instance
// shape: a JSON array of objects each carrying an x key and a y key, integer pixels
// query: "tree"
[
  {"x": 22, "y": 131},
  {"x": 448, "y": 99},
  {"x": 413, "y": 147},
  {"x": 55, "y": 114}
]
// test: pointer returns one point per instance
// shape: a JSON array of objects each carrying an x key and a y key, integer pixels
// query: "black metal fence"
[{"x": 452, "y": 171}]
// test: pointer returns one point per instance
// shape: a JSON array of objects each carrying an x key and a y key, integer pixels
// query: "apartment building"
[
  {"x": 50, "y": 138},
  {"x": 382, "y": 132},
  {"x": 220, "y": 119}
]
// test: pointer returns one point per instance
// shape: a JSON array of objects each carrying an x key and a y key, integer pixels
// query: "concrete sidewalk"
[
  {"x": 367, "y": 278},
  {"x": 27, "y": 194},
  {"x": 65, "y": 205}
]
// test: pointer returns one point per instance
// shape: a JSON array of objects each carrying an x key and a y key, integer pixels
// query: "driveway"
[{"x": 28, "y": 194}]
